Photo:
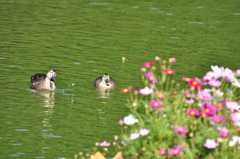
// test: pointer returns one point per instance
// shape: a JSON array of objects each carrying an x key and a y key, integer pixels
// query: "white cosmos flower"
[{"x": 130, "y": 120}]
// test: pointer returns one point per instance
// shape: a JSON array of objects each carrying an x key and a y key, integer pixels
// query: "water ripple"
[
  {"x": 54, "y": 136},
  {"x": 22, "y": 130},
  {"x": 195, "y": 22},
  {"x": 99, "y": 3}
]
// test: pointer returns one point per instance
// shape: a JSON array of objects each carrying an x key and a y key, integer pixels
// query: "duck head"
[
  {"x": 51, "y": 75},
  {"x": 106, "y": 78}
]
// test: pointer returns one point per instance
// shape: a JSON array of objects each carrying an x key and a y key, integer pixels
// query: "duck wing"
[
  {"x": 97, "y": 81},
  {"x": 38, "y": 77},
  {"x": 112, "y": 80}
]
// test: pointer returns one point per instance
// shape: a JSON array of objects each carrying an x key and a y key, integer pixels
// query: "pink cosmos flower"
[
  {"x": 186, "y": 79},
  {"x": 134, "y": 136},
  {"x": 121, "y": 122},
  {"x": 193, "y": 112},
  {"x": 211, "y": 144},
  {"x": 156, "y": 103},
  {"x": 227, "y": 74},
  {"x": 195, "y": 83},
  {"x": 104, "y": 144},
  {"x": 176, "y": 151},
  {"x": 231, "y": 105},
  {"x": 151, "y": 77},
  {"x": 125, "y": 90},
  {"x": 172, "y": 60},
  {"x": 238, "y": 73},
  {"x": 148, "y": 64},
  {"x": 217, "y": 119},
  {"x": 235, "y": 117},
  {"x": 211, "y": 76},
  {"x": 143, "y": 69},
  {"x": 169, "y": 72},
  {"x": 146, "y": 91},
  {"x": 214, "y": 83},
  {"x": 224, "y": 133},
  {"x": 144, "y": 132},
  {"x": 180, "y": 130},
  {"x": 204, "y": 95},
  {"x": 162, "y": 151}
]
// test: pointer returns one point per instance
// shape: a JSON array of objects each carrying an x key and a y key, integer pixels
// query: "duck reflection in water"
[
  {"x": 47, "y": 100},
  {"x": 104, "y": 84}
]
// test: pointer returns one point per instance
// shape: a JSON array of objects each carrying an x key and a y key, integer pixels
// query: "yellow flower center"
[{"x": 192, "y": 113}]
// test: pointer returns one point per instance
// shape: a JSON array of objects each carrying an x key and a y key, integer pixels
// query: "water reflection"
[
  {"x": 104, "y": 93},
  {"x": 47, "y": 101}
]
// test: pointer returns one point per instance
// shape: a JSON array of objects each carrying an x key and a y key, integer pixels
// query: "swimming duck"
[
  {"x": 105, "y": 82},
  {"x": 43, "y": 81}
]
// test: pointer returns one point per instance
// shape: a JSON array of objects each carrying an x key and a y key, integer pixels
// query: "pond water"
[{"x": 84, "y": 39}]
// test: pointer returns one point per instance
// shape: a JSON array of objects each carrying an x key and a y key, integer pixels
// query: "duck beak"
[{"x": 107, "y": 82}]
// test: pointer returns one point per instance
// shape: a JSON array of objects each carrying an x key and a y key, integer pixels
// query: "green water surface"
[{"x": 83, "y": 39}]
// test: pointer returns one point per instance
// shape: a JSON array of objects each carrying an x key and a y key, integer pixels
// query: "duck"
[
  {"x": 105, "y": 81},
  {"x": 43, "y": 81}
]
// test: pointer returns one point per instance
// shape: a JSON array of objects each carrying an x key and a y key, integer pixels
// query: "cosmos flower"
[
  {"x": 180, "y": 130},
  {"x": 176, "y": 151},
  {"x": 169, "y": 72},
  {"x": 208, "y": 110},
  {"x": 195, "y": 83},
  {"x": 146, "y": 91},
  {"x": 134, "y": 136},
  {"x": 151, "y": 77},
  {"x": 172, "y": 60},
  {"x": 130, "y": 120},
  {"x": 104, "y": 144},
  {"x": 125, "y": 90},
  {"x": 214, "y": 83},
  {"x": 143, "y": 69},
  {"x": 234, "y": 141},
  {"x": 211, "y": 144},
  {"x": 148, "y": 64},
  {"x": 156, "y": 103},
  {"x": 160, "y": 95},
  {"x": 144, "y": 132},
  {"x": 204, "y": 95},
  {"x": 121, "y": 122},
  {"x": 162, "y": 151},
  {"x": 193, "y": 112},
  {"x": 217, "y": 119}
]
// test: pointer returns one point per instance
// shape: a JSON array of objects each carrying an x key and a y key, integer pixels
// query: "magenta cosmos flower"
[
  {"x": 195, "y": 83},
  {"x": 208, "y": 110},
  {"x": 156, "y": 103},
  {"x": 193, "y": 112},
  {"x": 211, "y": 144},
  {"x": 169, "y": 72},
  {"x": 180, "y": 130},
  {"x": 176, "y": 151},
  {"x": 148, "y": 64}
]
